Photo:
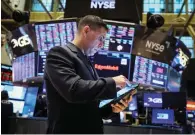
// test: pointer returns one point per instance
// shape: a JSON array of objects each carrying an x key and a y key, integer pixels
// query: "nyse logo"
[
  {"x": 183, "y": 58},
  {"x": 155, "y": 100},
  {"x": 103, "y": 4},
  {"x": 155, "y": 46},
  {"x": 21, "y": 42}
]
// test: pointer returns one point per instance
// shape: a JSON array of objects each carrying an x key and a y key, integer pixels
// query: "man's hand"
[
  {"x": 120, "y": 81},
  {"x": 124, "y": 103}
]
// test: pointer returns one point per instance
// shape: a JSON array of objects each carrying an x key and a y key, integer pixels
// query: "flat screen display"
[
  {"x": 162, "y": 116},
  {"x": 174, "y": 100},
  {"x": 24, "y": 67},
  {"x": 174, "y": 80},
  {"x": 111, "y": 64},
  {"x": 17, "y": 106},
  {"x": 190, "y": 114},
  {"x": 153, "y": 100},
  {"x": 55, "y": 33},
  {"x": 150, "y": 72},
  {"x": 120, "y": 10},
  {"x": 15, "y": 92},
  {"x": 114, "y": 57},
  {"x": 42, "y": 55},
  {"x": 6, "y": 74},
  {"x": 22, "y": 40},
  {"x": 30, "y": 101}
]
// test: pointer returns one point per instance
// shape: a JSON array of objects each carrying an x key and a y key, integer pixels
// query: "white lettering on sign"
[
  {"x": 155, "y": 100},
  {"x": 21, "y": 42},
  {"x": 103, "y": 4},
  {"x": 155, "y": 46},
  {"x": 183, "y": 58}
]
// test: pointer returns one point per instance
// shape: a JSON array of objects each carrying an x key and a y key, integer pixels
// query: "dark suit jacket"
[{"x": 73, "y": 91}]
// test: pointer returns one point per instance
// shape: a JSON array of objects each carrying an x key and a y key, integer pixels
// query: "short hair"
[
  {"x": 4, "y": 95},
  {"x": 94, "y": 22}
]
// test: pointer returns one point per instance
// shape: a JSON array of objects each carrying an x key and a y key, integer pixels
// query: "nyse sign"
[
  {"x": 102, "y": 4},
  {"x": 21, "y": 42}
]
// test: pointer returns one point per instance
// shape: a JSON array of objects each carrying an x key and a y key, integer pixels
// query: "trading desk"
[{"x": 35, "y": 125}]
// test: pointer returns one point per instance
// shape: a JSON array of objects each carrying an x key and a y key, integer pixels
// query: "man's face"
[{"x": 94, "y": 38}]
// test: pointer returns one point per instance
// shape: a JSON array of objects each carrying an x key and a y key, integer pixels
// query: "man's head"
[
  {"x": 4, "y": 95},
  {"x": 92, "y": 31}
]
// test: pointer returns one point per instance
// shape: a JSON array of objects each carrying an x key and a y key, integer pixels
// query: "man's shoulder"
[{"x": 60, "y": 49}]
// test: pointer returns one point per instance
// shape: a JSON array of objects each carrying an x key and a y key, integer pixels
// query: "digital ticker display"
[
  {"x": 24, "y": 67},
  {"x": 50, "y": 34},
  {"x": 6, "y": 74},
  {"x": 150, "y": 72},
  {"x": 114, "y": 58},
  {"x": 163, "y": 116},
  {"x": 111, "y": 64},
  {"x": 119, "y": 38},
  {"x": 41, "y": 62},
  {"x": 153, "y": 100}
]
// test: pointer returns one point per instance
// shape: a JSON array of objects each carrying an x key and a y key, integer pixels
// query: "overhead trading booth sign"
[
  {"x": 154, "y": 45},
  {"x": 22, "y": 40},
  {"x": 182, "y": 56}
]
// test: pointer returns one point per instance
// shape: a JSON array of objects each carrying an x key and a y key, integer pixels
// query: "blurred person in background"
[{"x": 6, "y": 112}]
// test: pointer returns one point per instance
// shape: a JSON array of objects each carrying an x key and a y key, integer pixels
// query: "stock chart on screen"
[
  {"x": 150, "y": 72},
  {"x": 24, "y": 67},
  {"x": 50, "y": 34},
  {"x": 114, "y": 58},
  {"x": 58, "y": 33}
]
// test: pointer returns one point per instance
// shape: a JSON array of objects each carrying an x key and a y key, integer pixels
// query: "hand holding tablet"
[{"x": 124, "y": 96}]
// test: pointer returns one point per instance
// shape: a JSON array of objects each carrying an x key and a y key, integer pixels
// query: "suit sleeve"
[{"x": 60, "y": 71}]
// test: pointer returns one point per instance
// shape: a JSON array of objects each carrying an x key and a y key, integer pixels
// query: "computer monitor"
[
  {"x": 15, "y": 92},
  {"x": 30, "y": 101},
  {"x": 190, "y": 114},
  {"x": 153, "y": 100},
  {"x": 114, "y": 57},
  {"x": 6, "y": 74},
  {"x": 24, "y": 67},
  {"x": 55, "y": 33},
  {"x": 163, "y": 116},
  {"x": 174, "y": 80},
  {"x": 150, "y": 72},
  {"x": 120, "y": 10},
  {"x": 17, "y": 106},
  {"x": 174, "y": 100}
]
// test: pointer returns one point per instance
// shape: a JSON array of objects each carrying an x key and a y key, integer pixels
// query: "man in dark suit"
[{"x": 73, "y": 86}]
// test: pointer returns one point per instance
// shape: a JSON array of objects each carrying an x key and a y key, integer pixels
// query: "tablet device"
[{"x": 124, "y": 93}]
